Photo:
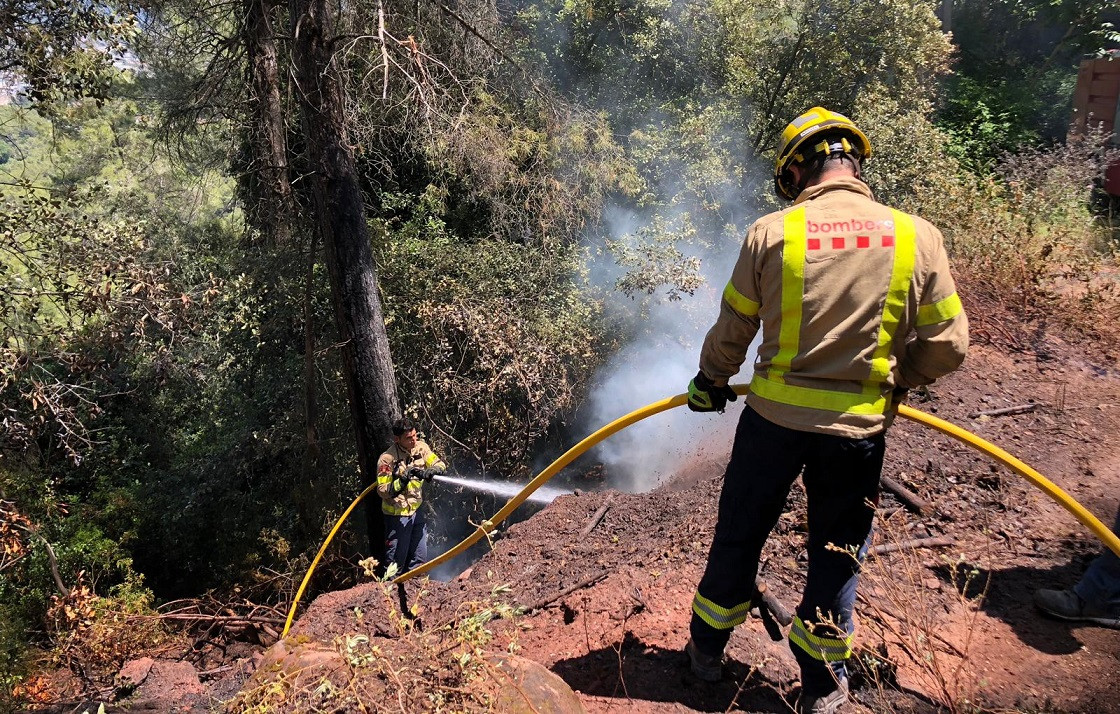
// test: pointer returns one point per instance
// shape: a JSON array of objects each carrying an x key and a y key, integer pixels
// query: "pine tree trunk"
[
  {"x": 267, "y": 132},
  {"x": 340, "y": 213}
]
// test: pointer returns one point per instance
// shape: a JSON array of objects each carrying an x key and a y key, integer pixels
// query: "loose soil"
[
  {"x": 951, "y": 626},
  {"x": 948, "y": 627}
]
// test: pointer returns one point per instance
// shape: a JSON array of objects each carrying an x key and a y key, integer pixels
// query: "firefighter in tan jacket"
[
  {"x": 856, "y": 305},
  {"x": 401, "y": 473}
]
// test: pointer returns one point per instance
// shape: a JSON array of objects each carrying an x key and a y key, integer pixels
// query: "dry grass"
[
  {"x": 908, "y": 605},
  {"x": 448, "y": 668},
  {"x": 1029, "y": 239}
]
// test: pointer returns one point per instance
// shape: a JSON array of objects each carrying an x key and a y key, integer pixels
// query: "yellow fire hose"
[{"x": 1035, "y": 478}]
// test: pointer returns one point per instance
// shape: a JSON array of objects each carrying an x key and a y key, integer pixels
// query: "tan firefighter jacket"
[
  {"x": 854, "y": 299},
  {"x": 392, "y": 473}
]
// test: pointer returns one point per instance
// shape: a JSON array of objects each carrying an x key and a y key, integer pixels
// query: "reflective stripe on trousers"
[
  {"x": 826, "y": 649},
  {"x": 841, "y": 478},
  {"x": 720, "y": 618}
]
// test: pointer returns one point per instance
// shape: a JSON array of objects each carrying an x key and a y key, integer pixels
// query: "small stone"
[{"x": 135, "y": 671}]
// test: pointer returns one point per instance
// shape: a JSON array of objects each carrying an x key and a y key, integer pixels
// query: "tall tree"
[{"x": 341, "y": 221}]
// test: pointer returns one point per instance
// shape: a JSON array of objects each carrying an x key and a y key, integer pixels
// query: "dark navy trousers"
[
  {"x": 406, "y": 541},
  {"x": 841, "y": 478}
]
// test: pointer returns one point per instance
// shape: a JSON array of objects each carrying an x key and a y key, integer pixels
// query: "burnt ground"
[{"x": 950, "y": 625}]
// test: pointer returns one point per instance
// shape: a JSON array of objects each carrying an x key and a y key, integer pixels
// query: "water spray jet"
[
  {"x": 1110, "y": 539},
  {"x": 503, "y": 488}
]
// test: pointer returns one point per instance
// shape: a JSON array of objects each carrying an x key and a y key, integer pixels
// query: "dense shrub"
[{"x": 1026, "y": 235}]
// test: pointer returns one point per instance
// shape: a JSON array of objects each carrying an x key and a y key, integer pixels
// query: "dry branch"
[
  {"x": 217, "y": 619},
  {"x": 911, "y": 500},
  {"x": 597, "y": 516},
  {"x": 780, "y": 612},
  {"x": 586, "y": 582},
  {"x": 1018, "y": 409},
  {"x": 55, "y": 575}
]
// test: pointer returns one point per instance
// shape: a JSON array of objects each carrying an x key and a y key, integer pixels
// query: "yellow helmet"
[{"x": 794, "y": 146}]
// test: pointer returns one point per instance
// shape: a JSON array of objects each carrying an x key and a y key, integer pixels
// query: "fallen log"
[
  {"x": 934, "y": 542},
  {"x": 216, "y": 619},
  {"x": 780, "y": 612},
  {"x": 911, "y": 500}
]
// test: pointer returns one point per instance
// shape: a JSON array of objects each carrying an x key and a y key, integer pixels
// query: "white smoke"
[{"x": 659, "y": 364}]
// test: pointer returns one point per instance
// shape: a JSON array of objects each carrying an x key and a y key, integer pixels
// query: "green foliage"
[
  {"x": 492, "y": 339},
  {"x": 986, "y": 122},
  {"x": 1084, "y": 22},
  {"x": 162, "y": 414},
  {"x": 1014, "y": 79},
  {"x": 13, "y": 636},
  {"x": 63, "y": 50},
  {"x": 700, "y": 90},
  {"x": 96, "y": 300},
  {"x": 655, "y": 260},
  {"x": 1025, "y": 235}
]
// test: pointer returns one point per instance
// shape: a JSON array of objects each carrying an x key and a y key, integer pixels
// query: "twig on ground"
[
  {"x": 636, "y": 596},
  {"x": 597, "y": 516},
  {"x": 586, "y": 582},
  {"x": 911, "y": 500},
  {"x": 216, "y": 670},
  {"x": 1017, "y": 409},
  {"x": 218, "y": 619}
]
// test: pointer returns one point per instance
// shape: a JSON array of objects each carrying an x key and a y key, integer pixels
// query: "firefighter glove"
[
  {"x": 898, "y": 396},
  {"x": 704, "y": 396},
  {"x": 431, "y": 472}
]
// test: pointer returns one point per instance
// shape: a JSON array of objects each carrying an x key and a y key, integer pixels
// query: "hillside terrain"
[{"x": 950, "y": 625}]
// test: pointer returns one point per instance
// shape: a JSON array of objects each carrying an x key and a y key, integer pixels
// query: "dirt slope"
[{"x": 616, "y": 638}]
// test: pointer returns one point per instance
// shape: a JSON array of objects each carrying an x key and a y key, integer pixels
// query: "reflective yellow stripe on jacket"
[
  {"x": 793, "y": 292},
  {"x": 740, "y": 302},
  {"x": 939, "y": 311},
  {"x": 870, "y": 400}
]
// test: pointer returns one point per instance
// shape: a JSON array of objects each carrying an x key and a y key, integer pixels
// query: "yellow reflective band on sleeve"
[
  {"x": 739, "y": 302},
  {"x": 721, "y": 618},
  {"x": 828, "y": 400},
  {"x": 793, "y": 291},
  {"x": 825, "y": 649},
  {"x": 898, "y": 293},
  {"x": 939, "y": 311},
  {"x": 432, "y": 458}
]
